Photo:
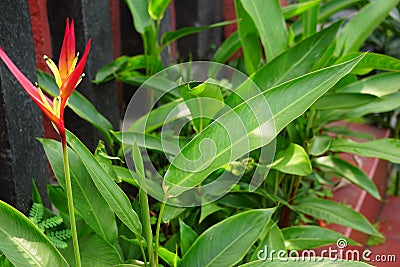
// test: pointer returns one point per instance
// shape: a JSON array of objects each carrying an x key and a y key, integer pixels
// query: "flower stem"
[
  {"x": 144, "y": 205},
  {"x": 160, "y": 215},
  {"x": 70, "y": 204}
]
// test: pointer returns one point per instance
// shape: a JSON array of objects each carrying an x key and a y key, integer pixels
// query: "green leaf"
[
  {"x": 320, "y": 144},
  {"x": 372, "y": 61},
  {"x": 362, "y": 25},
  {"x": 109, "y": 71},
  {"x": 160, "y": 116},
  {"x": 293, "y": 10},
  {"x": 140, "y": 14},
  {"x": 169, "y": 37},
  {"x": 310, "y": 20},
  {"x": 287, "y": 102},
  {"x": 271, "y": 239},
  {"x": 148, "y": 141},
  {"x": 292, "y": 160},
  {"x": 79, "y": 104},
  {"x": 303, "y": 262},
  {"x": 188, "y": 236},
  {"x": 23, "y": 243},
  {"x": 343, "y": 100},
  {"x": 378, "y": 85},
  {"x": 385, "y": 103},
  {"x": 268, "y": 18},
  {"x": 36, "y": 198},
  {"x": 230, "y": 240},
  {"x": 91, "y": 206},
  {"x": 105, "y": 160},
  {"x": 227, "y": 49},
  {"x": 295, "y": 62},
  {"x": 249, "y": 39},
  {"x": 334, "y": 6},
  {"x": 309, "y": 237},
  {"x": 341, "y": 130},
  {"x": 97, "y": 252},
  {"x": 348, "y": 171},
  {"x": 208, "y": 209},
  {"x": 385, "y": 148},
  {"x": 157, "y": 8},
  {"x": 334, "y": 212},
  {"x": 203, "y": 101},
  {"x": 110, "y": 191}
]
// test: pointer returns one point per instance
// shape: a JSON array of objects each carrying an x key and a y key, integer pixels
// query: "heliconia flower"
[{"x": 67, "y": 75}]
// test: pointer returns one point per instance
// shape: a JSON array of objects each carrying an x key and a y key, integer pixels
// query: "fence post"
[
  {"x": 92, "y": 19},
  {"x": 21, "y": 156}
]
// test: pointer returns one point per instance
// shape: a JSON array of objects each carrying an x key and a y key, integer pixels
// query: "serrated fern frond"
[
  {"x": 36, "y": 213},
  {"x": 56, "y": 237},
  {"x": 57, "y": 242},
  {"x": 50, "y": 222}
]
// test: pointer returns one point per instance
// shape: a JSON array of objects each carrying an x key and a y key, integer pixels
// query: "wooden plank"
[{"x": 21, "y": 156}]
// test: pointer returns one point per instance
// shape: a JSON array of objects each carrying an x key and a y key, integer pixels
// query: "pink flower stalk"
[{"x": 67, "y": 75}]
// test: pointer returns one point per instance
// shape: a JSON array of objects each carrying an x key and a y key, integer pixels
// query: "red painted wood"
[{"x": 42, "y": 45}]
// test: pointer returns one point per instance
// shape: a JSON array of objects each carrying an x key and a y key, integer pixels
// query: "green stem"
[
  {"x": 144, "y": 204},
  {"x": 142, "y": 249},
  {"x": 158, "y": 228},
  {"x": 70, "y": 203}
]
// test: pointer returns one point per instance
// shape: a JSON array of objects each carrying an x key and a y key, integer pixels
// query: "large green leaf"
[
  {"x": 157, "y": 8},
  {"x": 245, "y": 127},
  {"x": 147, "y": 141},
  {"x": 378, "y": 85},
  {"x": 310, "y": 236},
  {"x": 268, "y": 18},
  {"x": 140, "y": 15},
  {"x": 385, "y": 148},
  {"x": 227, "y": 242},
  {"x": 344, "y": 169},
  {"x": 249, "y": 39},
  {"x": 169, "y": 37},
  {"x": 295, "y": 62},
  {"x": 79, "y": 104},
  {"x": 23, "y": 243},
  {"x": 334, "y": 212},
  {"x": 91, "y": 206},
  {"x": 383, "y": 104},
  {"x": 97, "y": 252},
  {"x": 110, "y": 191},
  {"x": 372, "y": 61},
  {"x": 293, "y": 160},
  {"x": 160, "y": 116},
  {"x": 343, "y": 100},
  {"x": 362, "y": 25}
]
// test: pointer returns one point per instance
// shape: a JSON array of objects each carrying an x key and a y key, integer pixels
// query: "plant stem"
[
  {"x": 70, "y": 203},
  {"x": 158, "y": 228},
  {"x": 144, "y": 204}
]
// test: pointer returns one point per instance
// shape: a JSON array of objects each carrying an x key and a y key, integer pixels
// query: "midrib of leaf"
[
  {"x": 185, "y": 178},
  {"x": 21, "y": 247}
]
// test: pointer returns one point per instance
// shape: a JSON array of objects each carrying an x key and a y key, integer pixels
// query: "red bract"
[{"x": 67, "y": 75}]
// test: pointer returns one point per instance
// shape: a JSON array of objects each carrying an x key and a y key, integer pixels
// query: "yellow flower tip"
[
  {"x": 54, "y": 70},
  {"x": 57, "y": 106},
  {"x": 44, "y": 100},
  {"x": 72, "y": 68}
]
